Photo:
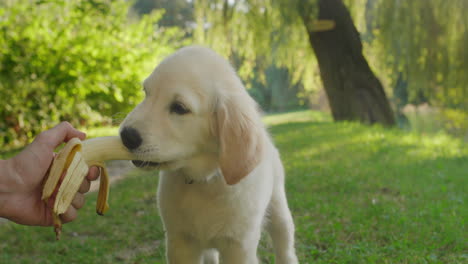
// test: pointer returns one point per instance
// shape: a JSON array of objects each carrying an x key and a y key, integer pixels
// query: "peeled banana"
[{"x": 70, "y": 167}]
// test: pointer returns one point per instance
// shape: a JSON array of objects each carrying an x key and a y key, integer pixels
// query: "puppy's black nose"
[{"x": 130, "y": 138}]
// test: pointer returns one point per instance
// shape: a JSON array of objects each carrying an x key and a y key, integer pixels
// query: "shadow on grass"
[
  {"x": 358, "y": 194},
  {"x": 357, "y": 190},
  {"x": 130, "y": 232}
]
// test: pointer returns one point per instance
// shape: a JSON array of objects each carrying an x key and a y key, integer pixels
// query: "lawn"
[{"x": 358, "y": 194}]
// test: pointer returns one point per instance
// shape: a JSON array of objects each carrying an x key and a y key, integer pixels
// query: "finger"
[
  {"x": 66, "y": 131},
  {"x": 85, "y": 185},
  {"x": 60, "y": 133},
  {"x": 78, "y": 201},
  {"x": 93, "y": 173},
  {"x": 69, "y": 215}
]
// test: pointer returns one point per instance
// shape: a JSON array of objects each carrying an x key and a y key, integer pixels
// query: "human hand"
[{"x": 22, "y": 178}]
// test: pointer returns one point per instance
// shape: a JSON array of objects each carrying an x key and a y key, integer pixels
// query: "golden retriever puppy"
[{"x": 221, "y": 177}]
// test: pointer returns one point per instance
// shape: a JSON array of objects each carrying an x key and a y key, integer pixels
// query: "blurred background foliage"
[
  {"x": 84, "y": 61},
  {"x": 81, "y": 61}
]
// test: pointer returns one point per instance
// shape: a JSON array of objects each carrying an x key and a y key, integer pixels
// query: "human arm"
[{"x": 22, "y": 178}]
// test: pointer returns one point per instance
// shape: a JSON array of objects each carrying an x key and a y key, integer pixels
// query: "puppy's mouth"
[{"x": 147, "y": 164}]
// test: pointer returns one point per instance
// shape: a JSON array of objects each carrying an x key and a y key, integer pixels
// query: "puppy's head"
[{"x": 195, "y": 108}]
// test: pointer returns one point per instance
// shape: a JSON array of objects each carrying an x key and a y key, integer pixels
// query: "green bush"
[
  {"x": 455, "y": 122},
  {"x": 428, "y": 119},
  {"x": 81, "y": 61}
]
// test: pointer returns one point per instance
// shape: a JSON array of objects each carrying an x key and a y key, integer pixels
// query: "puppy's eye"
[{"x": 179, "y": 108}]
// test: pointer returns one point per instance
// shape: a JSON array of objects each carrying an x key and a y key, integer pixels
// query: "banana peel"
[{"x": 70, "y": 167}]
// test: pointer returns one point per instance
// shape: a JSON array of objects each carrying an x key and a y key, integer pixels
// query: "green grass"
[{"x": 358, "y": 194}]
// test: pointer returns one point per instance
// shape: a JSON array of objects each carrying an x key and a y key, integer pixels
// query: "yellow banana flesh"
[{"x": 70, "y": 167}]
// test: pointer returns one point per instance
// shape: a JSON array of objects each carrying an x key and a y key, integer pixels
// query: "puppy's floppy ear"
[{"x": 240, "y": 133}]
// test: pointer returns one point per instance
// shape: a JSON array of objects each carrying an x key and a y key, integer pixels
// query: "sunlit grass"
[
  {"x": 358, "y": 194},
  {"x": 370, "y": 195},
  {"x": 298, "y": 116}
]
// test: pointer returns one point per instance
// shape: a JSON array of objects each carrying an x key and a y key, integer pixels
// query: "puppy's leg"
[
  {"x": 281, "y": 228},
  {"x": 181, "y": 249},
  {"x": 234, "y": 252},
  {"x": 210, "y": 257}
]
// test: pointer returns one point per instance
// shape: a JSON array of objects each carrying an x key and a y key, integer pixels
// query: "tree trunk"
[{"x": 353, "y": 91}]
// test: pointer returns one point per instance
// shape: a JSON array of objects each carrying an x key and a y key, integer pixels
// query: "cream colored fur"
[{"x": 221, "y": 177}]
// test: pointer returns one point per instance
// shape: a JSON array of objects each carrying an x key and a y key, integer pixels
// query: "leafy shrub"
[
  {"x": 455, "y": 122},
  {"x": 81, "y": 61},
  {"x": 427, "y": 119}
]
